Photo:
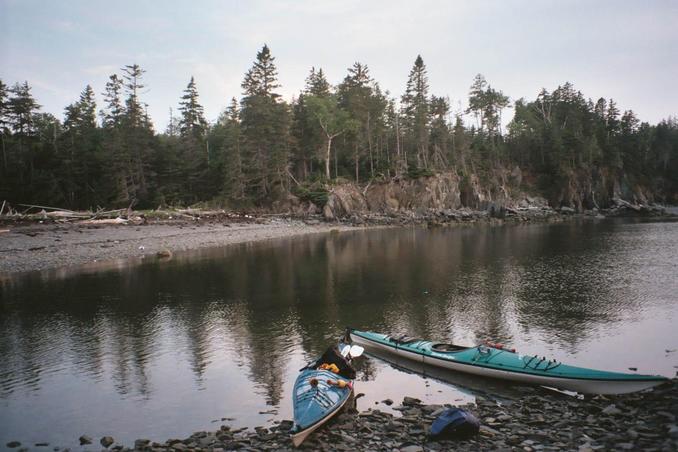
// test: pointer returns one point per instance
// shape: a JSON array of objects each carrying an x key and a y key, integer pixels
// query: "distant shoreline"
[
  {"x": 63, "y": 246},
  {"x": 77, "y": 247}
]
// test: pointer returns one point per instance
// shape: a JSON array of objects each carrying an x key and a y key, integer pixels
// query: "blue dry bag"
[{"x": 454, "y": 423}]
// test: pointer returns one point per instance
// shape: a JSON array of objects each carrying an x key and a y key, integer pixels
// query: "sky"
[{"x": 625, "y": 50}]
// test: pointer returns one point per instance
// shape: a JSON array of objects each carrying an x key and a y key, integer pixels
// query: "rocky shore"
[
  {"x": 537, "y": 419},
  {"x": 51, "y": 245}
]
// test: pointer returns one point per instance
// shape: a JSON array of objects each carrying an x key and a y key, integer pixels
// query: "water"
[{"x": 163, "y": 349}]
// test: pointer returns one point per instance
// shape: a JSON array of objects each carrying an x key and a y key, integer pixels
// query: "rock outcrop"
[{"x": 498, "y": 192}]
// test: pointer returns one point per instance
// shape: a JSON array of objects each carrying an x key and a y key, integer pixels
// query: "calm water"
[{"x": 163, "y": 349}]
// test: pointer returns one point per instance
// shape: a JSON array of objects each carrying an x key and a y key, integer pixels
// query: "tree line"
[{"x": 261, "y": 147}]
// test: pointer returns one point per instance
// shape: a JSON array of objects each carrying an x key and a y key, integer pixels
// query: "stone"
[
  {"x": 41, "y": 444},
  {"x": 611, "y": 410},
  {"x": 514, "y": 440},
  {"x": 84, "y": 439},
  {"x": 141, "y": 443},
  {"x": 106, "y": 441},
  {"x": 410, "y": 448},
  {"x": 388, "y": 402},
  {"x": 489, "y": 430},
  {"x": 428, "y": 409},
  {"x": 13, "y": 444},
  {"x": 410, "y": 401}
]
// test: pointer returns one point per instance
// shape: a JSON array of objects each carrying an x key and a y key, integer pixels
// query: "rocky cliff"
[{"x": 497, "y": 193}]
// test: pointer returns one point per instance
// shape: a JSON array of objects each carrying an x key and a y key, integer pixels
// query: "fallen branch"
[
  {"x": 45, "y": 207},
  {"x": 106, "y": 221}
]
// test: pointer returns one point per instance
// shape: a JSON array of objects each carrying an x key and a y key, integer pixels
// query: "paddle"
[{"x": 351, "y": 351}]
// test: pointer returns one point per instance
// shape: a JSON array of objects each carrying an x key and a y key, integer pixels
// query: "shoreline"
[
  {"x": 536, "y": 419},
  {"x": 46, "y": 244},
  {"x": 39, "y": 247}
]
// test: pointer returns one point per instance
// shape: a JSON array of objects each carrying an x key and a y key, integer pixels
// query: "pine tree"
[
  {"x": 22, "y": 107},
  {"x": 234, "y": 184},
  {"x": 134, "y": 111},
  {"x": 612, "y": 122},
  {"x": 195, "y": 148},
  {"x": 317, "y": 84},
  {"x": 192, "y": 113},
  {"x": 356, "y": 95},
  {"x": 265, "y": 125},
  {"x": 477, "y": 101},
  {"x": 440, "y": 131},
  {"x": 112, "y": 116},
  {"x": 262, "y": 78},
  {"x": 487, "y": 105},
  {"x": 416, "y": 110},
  {"x": 358, "y": 77},
  {"x": 83, "y": 168},
  {"x": 88, "y": 107},
  {"x": 131, "y": 142},
  {"x": 21, "y": 160}
]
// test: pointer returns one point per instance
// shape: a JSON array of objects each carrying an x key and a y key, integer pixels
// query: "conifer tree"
[
  {"x": 82, "y": 163},
  {"x": 416, "y": 110},
  {"x": 134, "y": 111},
  {"x": 112, "y": 116},
  {"x": 234, "y": 184},
  {"x": 192, "y": 113},
  {"x": 262, "y": 78},
  {"x": 440, "y": 132},
  {"x": 195, "y": 148},
  {"x": 612, "y": 122},
  {"x": 476, "y": 100},
  {"x": 265, "y": 125},
  {"x": 22, "y": 107},
  {"x": 356, "y": 95},
  {"x": 22, "y": 112},
  {"x": 317, "y": 84}
]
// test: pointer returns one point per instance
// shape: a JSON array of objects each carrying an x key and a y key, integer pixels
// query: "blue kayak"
[
  {"x": 496, "y": 361},
  {"x": 316, "y": 401},
  {"x": 320, "y": 391}
]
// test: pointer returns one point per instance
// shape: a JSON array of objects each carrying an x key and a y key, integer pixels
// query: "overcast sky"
[{"x": 627, "y": 50}]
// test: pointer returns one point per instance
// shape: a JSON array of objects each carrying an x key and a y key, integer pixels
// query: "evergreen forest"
[{"x": 261, "y": 148}]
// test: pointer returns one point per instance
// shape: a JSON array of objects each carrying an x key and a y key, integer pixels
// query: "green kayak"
[{"x": 498, "y": 362}]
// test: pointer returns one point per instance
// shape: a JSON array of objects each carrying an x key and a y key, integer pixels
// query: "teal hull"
[{"x": 505, "y": 364}]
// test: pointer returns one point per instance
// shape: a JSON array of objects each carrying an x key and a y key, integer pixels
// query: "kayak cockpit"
[
  {"x": 445, "y": 348},
  {"x": 404, "y": 339}
]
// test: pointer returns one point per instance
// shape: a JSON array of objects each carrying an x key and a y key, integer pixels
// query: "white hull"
[{"x": 571, "y": 384}]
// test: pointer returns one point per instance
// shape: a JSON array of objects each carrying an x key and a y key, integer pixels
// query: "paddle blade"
[
  {"x": 345, "y": 350},
  {"x": 356, "y": 350}
]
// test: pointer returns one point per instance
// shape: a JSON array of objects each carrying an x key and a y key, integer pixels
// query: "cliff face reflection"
[{"x": 222, "y": 333}]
